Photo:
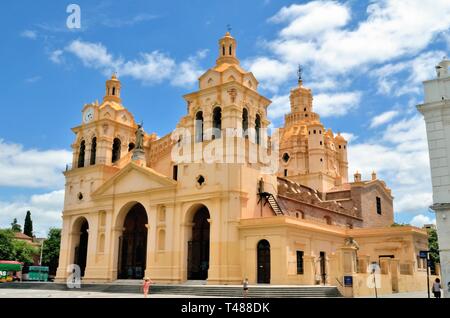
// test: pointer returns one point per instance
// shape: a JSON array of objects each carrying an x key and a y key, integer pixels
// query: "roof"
[
  {"x": 21, "y": 236},
  {"x": 297, "y": 192}
]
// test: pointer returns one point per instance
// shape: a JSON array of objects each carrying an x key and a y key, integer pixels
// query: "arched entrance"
[
  {"x": 198, "y": 246},
  {"x": 133, "y": 244},
  {"x": 80, "y": 255},
  {"x": 263, "y": 262}
]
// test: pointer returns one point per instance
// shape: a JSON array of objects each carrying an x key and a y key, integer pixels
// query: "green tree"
[
  {"x": 399, "y": 224},
  {"x": 6, "y": 244},
  {"x": 50, "y": 251},
  {"x": 24, "y": 251},
  {"x": 433, "y": 245},
  {"x": 28, "y": 226},
  {"x": 15, "y": 227}
]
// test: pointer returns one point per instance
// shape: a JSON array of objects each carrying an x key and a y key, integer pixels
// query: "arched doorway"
[
  {"x": 198, "y": 246},
  {"x": 133, "y": 244},
  {"x": 263, "y": 260},
  {"x": 80, "y": 255}
]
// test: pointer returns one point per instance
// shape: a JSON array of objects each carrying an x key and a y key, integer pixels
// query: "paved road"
[{"x": 37, "y": 293}]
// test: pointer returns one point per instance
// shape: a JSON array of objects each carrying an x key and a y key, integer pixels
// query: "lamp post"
[{"x": 42, "y": 248}]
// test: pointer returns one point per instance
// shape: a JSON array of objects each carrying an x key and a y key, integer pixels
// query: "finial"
[
  {"x": 374, "y": 175},
  {"x": 229, "y": 28},
  {"x": 299, "y": 73}
]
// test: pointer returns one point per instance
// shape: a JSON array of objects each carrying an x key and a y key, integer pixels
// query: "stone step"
[{"x": 213, "y": 291}]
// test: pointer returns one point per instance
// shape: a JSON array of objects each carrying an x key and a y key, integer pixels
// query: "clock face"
[{"x": 88, "y": 115}]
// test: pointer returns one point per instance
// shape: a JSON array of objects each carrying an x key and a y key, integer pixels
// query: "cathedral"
[{"x": 220, "y": 199}]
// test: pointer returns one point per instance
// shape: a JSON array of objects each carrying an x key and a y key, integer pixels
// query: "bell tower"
[
  {"x": 227, "y": 50},
  {"x": 113, "y": 90}
]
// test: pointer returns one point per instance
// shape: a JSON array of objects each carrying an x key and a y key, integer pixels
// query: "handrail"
[{"x": 339, "y": 282}]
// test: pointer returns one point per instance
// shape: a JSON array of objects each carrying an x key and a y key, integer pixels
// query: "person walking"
[
  {"x": 146, "y": 286},
  {"x": 437, "y": 288},
  {"x": 245, "y": 287}
]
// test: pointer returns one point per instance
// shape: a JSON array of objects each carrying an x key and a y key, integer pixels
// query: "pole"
[
  {"x": 428, "y": 274},
  {"x": 42, "y": 247}
]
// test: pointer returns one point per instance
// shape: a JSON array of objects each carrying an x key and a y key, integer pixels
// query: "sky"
[{"x": 364, "y": 61}]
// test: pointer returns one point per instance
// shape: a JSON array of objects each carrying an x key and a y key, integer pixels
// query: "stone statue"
[{"x": 140, "y": 137}]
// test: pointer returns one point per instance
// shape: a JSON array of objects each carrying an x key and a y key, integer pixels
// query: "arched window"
[
  {"x": 114, "y": 91},
  {"x": 223, "y": 50},
  {"x": 131, "y": 146},
  {"x": 258, "y": 129},
  {"x": 116, "y": 150},
  {"x": 81, "y": 154},
  {"x": 245, "y": 122},
  {"x": 217, "y": 122},
  {"x": 199, "y": 127},
  {"x": 230, "y": 49},
  {"x": 93, "y": 150}
]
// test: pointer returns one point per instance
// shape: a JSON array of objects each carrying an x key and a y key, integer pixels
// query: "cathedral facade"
[{"x": 219, "y": 199}]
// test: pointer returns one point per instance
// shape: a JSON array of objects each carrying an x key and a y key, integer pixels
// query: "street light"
[{"x": 42, "y": 248}]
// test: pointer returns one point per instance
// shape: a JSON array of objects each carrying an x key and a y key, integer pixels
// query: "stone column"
[
  {"x": 309, "y": 269},
  {"x": 346, "y": 257},
  {"x": 443, "y": 233},
  {"x": 116, "y": 232},
  {"x": 151, "y": 242},
  {"x": 66, "y": 250}
]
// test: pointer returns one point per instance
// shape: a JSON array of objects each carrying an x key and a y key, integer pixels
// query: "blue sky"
[{"x": 364, "y": 61}]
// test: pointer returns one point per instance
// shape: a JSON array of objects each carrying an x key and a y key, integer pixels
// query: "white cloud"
[
  {"x": 349, "y": 136},
  {"x": 413, "y": 202},
  {"x": 150, "y": 68},
  {"x": 383, "y": 118},
  {"x": 279, "y": 107},
  {"x": 124, "y": 22},
  {"x": 415, "y": 70},
  {"x": 29, "y": 34},
  {"x": 56, "y": 56},
  {"x": 312, "y": 18},
  {"x": 33, "y": 79},
  {"x": 153, "y": 67},
  {"x": 189, "y": 71},
  {"x": 45, "y": 211},
  {"x": 392, "y": 29},
  {"x": 420, "y": 220},
  {"x": 32, "y": 168},
  {"x": 337, "y": 104},
  {"x": 400, "y": 157},
  {"x": 269, "y": 72},
  {"x": 94, "y": 55}
]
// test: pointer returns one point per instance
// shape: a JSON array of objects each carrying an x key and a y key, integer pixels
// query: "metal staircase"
[{"x": 274, "y": 204}]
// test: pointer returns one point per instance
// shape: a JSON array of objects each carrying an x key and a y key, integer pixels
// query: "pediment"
[{"x": 132, "y": 179}]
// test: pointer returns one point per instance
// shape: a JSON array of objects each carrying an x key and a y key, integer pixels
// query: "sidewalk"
[{"x": 418, "y": 294}]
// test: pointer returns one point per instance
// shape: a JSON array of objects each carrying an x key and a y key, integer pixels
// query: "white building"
[{"x": 436, "y": 111}]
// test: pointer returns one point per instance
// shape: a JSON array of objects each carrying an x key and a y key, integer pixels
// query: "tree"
[
  {"x": 433, "y": 245},
  {"x": 15, "y": 250},
  {"x": 15, "y": 227},
  {"x": 395, "y": 224},
  {"x": 6, "y": 244},
  {"x": 50, "y": 251},
  {"x": 24, "y": 251},
  {"x": 28, "y": 226}
]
